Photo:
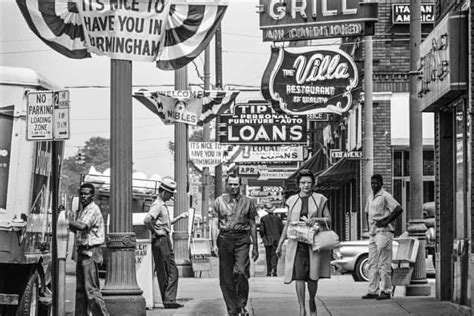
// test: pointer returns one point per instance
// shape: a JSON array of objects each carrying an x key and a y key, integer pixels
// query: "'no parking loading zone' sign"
[{"x": 47, "y": 115}]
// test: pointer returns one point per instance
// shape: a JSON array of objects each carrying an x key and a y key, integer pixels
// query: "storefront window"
[
  {"x": 406, "y": 163},
  {"x": 397, "y": 164},
  {"x": 428, "y": 163}
]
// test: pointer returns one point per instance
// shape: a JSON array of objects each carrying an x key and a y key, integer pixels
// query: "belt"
[
  {"x": 233, "y": 231},
  {"x": 87, "y": 247}
]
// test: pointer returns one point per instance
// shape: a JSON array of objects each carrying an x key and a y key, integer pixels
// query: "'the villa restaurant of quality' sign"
[
  {"x": 315, "y": 81},
  {"x": 316, "y": 19}
]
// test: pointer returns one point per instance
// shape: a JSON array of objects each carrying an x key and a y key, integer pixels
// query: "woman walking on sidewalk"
[{"x": 302, "y": 264}]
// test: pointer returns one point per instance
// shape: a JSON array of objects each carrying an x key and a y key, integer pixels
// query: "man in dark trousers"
[
  {"x": 233, "y": 229},
  {"x": 88, "y": 225},
  {"x": 159, "y": 223},
  {"x": 271, "y": 227}
]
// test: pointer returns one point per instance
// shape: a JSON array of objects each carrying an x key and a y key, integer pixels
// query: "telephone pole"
[
  {"x": 416, "y": 226},
  {"x": 206, "y": 138}
]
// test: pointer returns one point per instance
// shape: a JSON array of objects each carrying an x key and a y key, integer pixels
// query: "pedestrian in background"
[
  {"x": 159, "y": 223},
  {"x": 302, "y": 264},
  {"x": 382, "y": 209},
  {"x": 271, "y": 227},
  {"x": 233, "y": 229},
  {"x": 89, "y": 229}
]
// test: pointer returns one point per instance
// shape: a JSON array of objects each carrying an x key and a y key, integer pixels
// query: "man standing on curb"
[
  {"x": 271, "y": 227},
  {"x": 89, "y": 229},
  {"x": 233, "y": 229},
  {"x": 382, "y": 209},
  {"x": 158, "y": 222}
]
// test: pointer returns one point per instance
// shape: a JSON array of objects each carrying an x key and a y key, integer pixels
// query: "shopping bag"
[
  {"x": 301, "y": 232},
  {"x": 325, "y": 240}
]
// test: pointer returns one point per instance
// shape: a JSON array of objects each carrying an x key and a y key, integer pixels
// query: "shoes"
[
  {"x": 172, "y": 305},
  {"x": 369, "y": 296},
  {"x": 274, "y": 274},
  {"x": 269, "y": 274},
  {"x": 243, "y": 312},
  {"x": 384, "y": 296}
]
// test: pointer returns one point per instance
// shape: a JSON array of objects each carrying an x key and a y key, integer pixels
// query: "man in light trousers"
[{"x": 382, "y": 210}]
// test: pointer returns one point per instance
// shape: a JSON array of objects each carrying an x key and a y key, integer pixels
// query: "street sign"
[
  {"x": 39, "y": 116},
  {"x": 61, "y": 114},
  {"x": 47, "y": 115}
]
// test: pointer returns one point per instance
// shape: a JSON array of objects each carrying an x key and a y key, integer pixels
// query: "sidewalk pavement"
[{"x": 339, "y": 295}]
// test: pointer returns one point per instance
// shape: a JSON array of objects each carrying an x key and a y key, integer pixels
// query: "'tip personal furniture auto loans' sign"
[
  {"x": 310, "y": 82},
  {"x": 316, "y": 19},
  {"x": 258, "y": 123}
]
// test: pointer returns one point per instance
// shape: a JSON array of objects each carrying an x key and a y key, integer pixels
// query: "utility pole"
[
  {"x": 206, "y": 138},
  {"x": 121, "y": 292},
  {"x": 218, "y": 49},
  {"x": 180, "y": 233},
  {"x": 368, "y": 145},
  {"x": 416, "y": 226}
]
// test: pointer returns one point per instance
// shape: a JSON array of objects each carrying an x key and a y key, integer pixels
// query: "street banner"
[
  {"x": 124, "y": 30},
  {"x": 316, "y": 19},
  {"x": 268, "y": 154},
  {"x": 186, "y": 106},
  {"x": 206, "y": 154},
  {"x": 140, "y": 30},
  {"x": 303, "y": 81},
  {"x": 258, "y": 123}
]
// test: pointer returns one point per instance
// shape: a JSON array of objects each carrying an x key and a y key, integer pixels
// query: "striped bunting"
[
  {"x": 211, "y": 104},
  {"x": 189, "y": 30},
  {"x": 58, "y": 24}
]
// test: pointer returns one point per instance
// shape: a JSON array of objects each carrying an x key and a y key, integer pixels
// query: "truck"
[{"x": 25, "y": 199}]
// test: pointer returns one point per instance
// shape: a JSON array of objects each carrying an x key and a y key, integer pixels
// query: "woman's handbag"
[
  {"x": 325, "y": 240},
  {"x": 301, "y": 232}
]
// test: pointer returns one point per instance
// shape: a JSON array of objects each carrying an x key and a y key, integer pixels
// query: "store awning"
[
  {"x": 317, "y": 164},
  {"x": 337, "y": 175}
]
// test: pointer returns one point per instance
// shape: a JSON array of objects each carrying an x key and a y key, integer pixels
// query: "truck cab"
[{"x": 25, "y": 199}]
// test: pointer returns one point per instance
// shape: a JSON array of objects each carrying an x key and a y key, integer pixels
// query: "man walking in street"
[
  {"x": 271, "y": 227},
  {"x": 382, "y": 210},
  {"x": 89, "y": 228},
  {"x": 158, "y": 222},
  {"x": 233, "y": 229}
]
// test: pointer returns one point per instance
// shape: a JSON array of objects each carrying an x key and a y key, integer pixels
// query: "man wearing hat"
[
  {"x": 159, "y": 223},
  {"x": 271, "y": 227}
]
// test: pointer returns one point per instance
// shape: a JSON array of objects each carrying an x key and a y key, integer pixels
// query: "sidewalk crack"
[{"x": 325, "y": 307}]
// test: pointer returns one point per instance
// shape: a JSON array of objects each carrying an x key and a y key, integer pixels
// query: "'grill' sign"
[{"x": 316, "y": 81}]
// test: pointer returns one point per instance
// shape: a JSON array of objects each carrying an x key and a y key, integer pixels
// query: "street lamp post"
[{"x": 121, "y": 292}]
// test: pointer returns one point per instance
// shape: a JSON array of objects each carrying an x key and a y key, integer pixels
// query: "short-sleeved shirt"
[
  {"x": 95, "y": 233},
  {"x": 160, "y": 214},
  {"x": 380, "y": 206},
  {"x": 234, "y": 214}
]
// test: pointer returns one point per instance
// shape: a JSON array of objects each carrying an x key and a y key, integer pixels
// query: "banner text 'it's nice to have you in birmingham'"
[{"x": 124, "y": 29}]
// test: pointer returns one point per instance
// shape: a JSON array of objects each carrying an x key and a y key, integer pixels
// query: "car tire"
[
  {"x": 361, "y": 269},
  {"x": 29, "y": 303}
]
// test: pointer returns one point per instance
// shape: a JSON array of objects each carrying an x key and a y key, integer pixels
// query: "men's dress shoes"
[
  {"x": 383, "y": 296},
  {"x": 369, "y": 296},
  {"x": 274, "y": 274},
  {"x": 173, "y": 305},
  {"x": 268, "y": 274},
  {"x": 243, "y": 312}
]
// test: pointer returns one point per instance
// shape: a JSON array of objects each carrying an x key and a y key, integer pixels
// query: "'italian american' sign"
[{"x": 315, "y": 81}]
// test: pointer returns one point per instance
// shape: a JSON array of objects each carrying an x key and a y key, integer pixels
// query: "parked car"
[{"x": 352, "y": 257}]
